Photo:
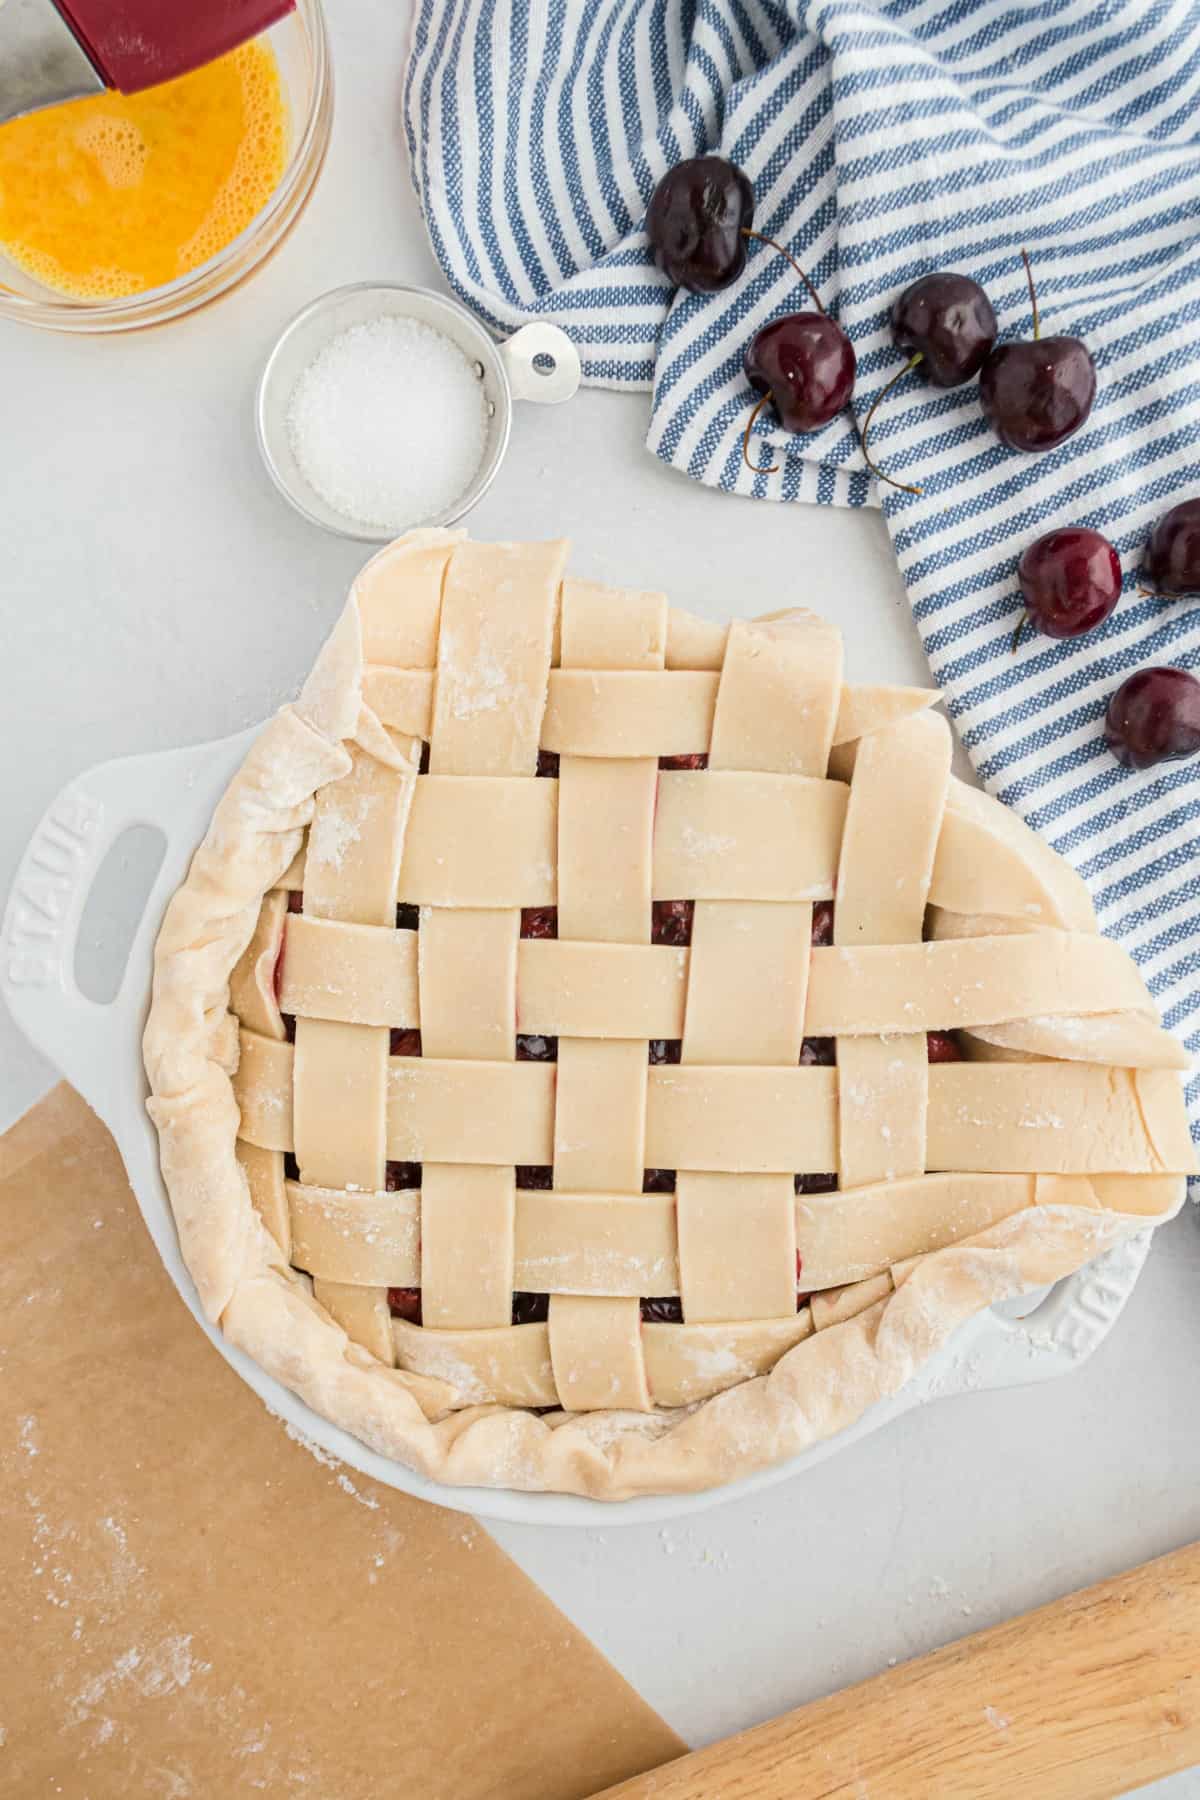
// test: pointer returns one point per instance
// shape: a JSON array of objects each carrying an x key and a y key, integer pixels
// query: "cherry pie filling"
[{"x": 671, "y": 925}]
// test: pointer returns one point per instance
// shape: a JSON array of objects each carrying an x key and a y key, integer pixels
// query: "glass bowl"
[{"x": 302, "y": 52}]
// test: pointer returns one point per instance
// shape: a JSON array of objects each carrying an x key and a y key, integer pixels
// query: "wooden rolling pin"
[{"x": 1081, "y": 1700}]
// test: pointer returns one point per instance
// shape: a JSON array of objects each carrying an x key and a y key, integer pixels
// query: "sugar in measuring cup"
[{"x": 383, "y": 407}]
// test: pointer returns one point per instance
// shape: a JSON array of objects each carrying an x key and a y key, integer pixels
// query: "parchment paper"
[{"x": 195, "y": 1604}]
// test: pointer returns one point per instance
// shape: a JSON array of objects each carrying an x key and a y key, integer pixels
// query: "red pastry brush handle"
[{"x": 135, "y": 44}]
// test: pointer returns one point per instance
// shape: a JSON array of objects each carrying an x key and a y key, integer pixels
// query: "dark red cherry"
[
  {"x": 405, "y": 1303},
  {"x": 1172, "y": 562},
  {"x": 804, "y": 365},
  {"x": 822, "y": 922},
  {"x": 942, "y": 1047},
  {"x": 697, "y": 220},
  {"x": 946, "y": 323},
  {"x": 671, "y": 922},
  {"x": 658, "y": 1181},
  {"x": 1037, "y": 391},
  {"x": 402, "y": 1175},
  {"x": 1154, "y": 717},
  {"x": 539, "y": 921},
  {"x": 530, "y": 1309},
  {"x": 663, "y": 1310},
  {"x": 1070, "y": 581},
  {"x": 1037, "y": 394}
]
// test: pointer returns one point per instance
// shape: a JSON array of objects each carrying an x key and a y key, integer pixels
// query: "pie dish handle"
[
  {"x": 542, "y": 364},
  {"x": 1058, "y": 1333},
  {"x": 97, "y": 1046}
]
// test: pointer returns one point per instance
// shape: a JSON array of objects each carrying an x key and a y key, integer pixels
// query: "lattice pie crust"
[{"x": 683, "y": 1327}]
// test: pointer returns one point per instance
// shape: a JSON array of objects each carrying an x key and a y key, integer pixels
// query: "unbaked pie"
[{"x": 596, "y": 1048}]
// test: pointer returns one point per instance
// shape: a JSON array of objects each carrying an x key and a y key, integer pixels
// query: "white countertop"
[{"x": 157, "y": 591}]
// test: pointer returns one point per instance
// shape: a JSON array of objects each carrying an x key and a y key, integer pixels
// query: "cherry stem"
[
  {"x": 1037, "y": 324},
  {"x": 1019, "y": 633},
  {"x": 754, "y": 468},
  {"x": 760, "y": 238},
  {"x": 905, "y": 487}
]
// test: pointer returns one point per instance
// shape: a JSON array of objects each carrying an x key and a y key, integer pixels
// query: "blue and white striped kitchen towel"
[{"x": 884, "y": 140}]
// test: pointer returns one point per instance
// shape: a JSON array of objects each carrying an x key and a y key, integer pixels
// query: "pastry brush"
[{"x": 56, "y": 50}]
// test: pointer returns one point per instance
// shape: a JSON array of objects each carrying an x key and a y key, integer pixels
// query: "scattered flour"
[
  {"x": 704, "y": 844},
  {"x": 326, "y": 1461},
  {"x": 700, "y": 1556},
  {"x": 153, "y": 1672}
]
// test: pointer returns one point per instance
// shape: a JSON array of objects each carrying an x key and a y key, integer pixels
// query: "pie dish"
[{"x": 596, "y": 1049}]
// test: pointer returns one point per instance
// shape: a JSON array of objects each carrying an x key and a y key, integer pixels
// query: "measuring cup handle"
[{"x": 557, "y": 380}]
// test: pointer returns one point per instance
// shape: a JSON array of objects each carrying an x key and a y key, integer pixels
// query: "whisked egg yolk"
[{"x": 110, "y": 196}]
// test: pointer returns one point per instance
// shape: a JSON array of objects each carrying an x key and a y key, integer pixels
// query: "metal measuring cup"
[{"x": 539, "y": 363}]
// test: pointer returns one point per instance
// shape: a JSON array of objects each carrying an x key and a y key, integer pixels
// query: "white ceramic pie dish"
[{"x": 98, "y": 1049}]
